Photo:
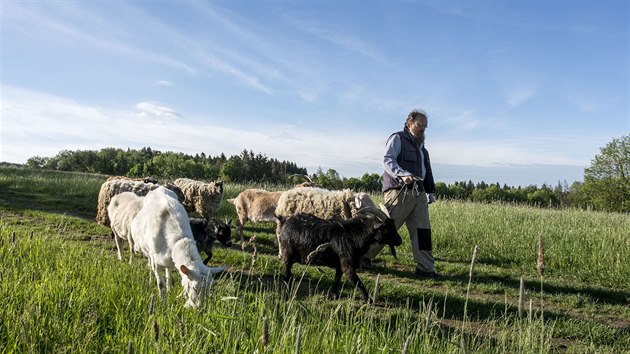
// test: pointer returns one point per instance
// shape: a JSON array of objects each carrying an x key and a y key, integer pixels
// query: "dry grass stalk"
[
  {"x": 152, "y": 304},
  {"x": 406, "y": 346},
  {"x": 264, "y": 338},
  {"x": 521, "y": 298},
  {"x": 376, "y": 283},
  {"x": 298, "y": 341},
  {"x": 427, "y": 323},
  {"x": 472, "y": 263},
  {"x": 156, "y": 330},
  {"x": 540, "y": 264},
  {"x": 254, "y": 256}
]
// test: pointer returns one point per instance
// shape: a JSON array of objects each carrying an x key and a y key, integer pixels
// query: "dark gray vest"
[{"x": 409, "y": 159}]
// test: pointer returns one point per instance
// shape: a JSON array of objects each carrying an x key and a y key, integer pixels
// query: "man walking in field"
[{"x": 409, "y": 188}]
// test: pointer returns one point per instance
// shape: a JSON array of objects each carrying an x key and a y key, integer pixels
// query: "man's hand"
[
  {"x": 430, "y": 198},
  {"x": 407, "y": 179}
]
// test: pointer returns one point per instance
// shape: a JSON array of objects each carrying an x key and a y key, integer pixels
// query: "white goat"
[
  {"x": 162, "y": 232},
  {"x": 122, "y": 209}
]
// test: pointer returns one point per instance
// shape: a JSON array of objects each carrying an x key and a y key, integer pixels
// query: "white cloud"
[
  {"x": 519, "y": 94},
  {"x": 156, "y": 109},
  {"x": 39, "y": 124},
  {"x": 164, "y": 83}
]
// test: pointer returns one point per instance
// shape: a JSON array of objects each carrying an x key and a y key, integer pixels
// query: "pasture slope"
[{"x": 62, "y": 288}]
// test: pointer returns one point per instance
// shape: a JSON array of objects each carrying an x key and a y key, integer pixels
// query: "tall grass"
[{"x": 64, "y": 290}]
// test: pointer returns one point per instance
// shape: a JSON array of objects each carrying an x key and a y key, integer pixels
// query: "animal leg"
[
  {"x": 160, "y": 281},
  {"x": 117, "y": 245},
  {"x": 131, "y": 246},
  {"x": 353, "y": 278},
  {"x": 334, "y": 291},
  {"x": 288, "y": 264},
  {"x": 167, "y": 275},
  {"x": 239, "y": 228}
]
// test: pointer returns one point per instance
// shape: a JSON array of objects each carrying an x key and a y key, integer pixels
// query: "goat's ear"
[
  {"x": 229, "y": 223},
  {"x": 377, "y": 225},
  {"x": 185, "y": 271}
]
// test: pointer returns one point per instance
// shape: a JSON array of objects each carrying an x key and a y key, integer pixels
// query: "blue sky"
[{"x": 517, "y": 92}]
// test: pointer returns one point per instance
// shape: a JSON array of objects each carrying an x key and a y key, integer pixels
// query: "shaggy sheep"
[
  {"x": 203, "y": 198},
  {"x": 141, "y": 179},
  {"x": 322, "y": 203},
  {"x": 117, "y": 184},
  {"x": 206, "y": 232},
  {"x": 339, "y": 244},
  {"x": 121, "y": 210},
  {"x": 162, "y": 232}
]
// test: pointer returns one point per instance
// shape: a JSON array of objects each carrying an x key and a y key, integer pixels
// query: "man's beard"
[{"x": 419, "y": 138}]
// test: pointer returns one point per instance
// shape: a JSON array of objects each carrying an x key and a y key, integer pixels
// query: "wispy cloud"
[
  {"x": 334, "y": 33},
  {"x": 156, "y": 109},
  {"x": 164, "y": 83}
]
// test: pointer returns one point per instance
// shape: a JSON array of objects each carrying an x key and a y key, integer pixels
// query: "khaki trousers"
[{"x": 413, "y": 211}]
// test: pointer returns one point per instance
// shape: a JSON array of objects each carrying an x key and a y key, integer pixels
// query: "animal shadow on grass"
[{"x": 598, "y": 294}]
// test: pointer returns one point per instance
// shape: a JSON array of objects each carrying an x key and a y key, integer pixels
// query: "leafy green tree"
[{"x": 607, "y": 180}]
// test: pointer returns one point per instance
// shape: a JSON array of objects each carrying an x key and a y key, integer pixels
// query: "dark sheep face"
[
  {"x": 223, "y": 233},
  {"x": 387, "y": 234}
]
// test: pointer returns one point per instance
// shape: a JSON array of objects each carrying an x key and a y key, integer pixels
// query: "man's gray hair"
[{"x": 414, "y": 114}]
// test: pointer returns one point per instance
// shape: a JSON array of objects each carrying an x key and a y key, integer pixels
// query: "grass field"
[{"x": 62, "y": 288}]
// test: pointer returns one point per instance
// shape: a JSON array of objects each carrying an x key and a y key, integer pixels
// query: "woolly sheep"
[
  {"x": 117, "y": 184},
  {"x": 322, "y": 203},
  {"x": 203, "y": 198}
]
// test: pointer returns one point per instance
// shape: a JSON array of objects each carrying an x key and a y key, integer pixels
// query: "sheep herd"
[{"x": 314, "y": 226}]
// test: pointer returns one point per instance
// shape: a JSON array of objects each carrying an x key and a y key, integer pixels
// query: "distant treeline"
[{"x": 609, "y": 194}]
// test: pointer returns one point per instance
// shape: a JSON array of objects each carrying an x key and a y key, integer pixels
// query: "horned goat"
[{"x": 339, "y": 244}]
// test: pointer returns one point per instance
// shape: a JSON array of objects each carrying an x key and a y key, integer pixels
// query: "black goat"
[
  {"x": 207, "y": 231},
  {"x": 339, "y": 244}
]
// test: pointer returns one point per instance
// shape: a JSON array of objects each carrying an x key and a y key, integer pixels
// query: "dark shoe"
[
  {"x": 426, "y": 275},
  {"x": 366, "y": 263}
]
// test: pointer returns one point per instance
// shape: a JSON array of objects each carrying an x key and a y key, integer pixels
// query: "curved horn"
[
  {"x": 374, "y": 211},
  {"x": 304, "y": 177}
]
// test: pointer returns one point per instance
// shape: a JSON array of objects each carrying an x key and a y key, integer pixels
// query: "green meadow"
[{"x": 62, "y": 288}]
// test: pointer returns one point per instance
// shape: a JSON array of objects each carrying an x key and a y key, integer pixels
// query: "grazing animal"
[
  {"x": 121, "y": 210},
  {"x": 339, "y": 244},
  {"x": 200, "y": 197},
  {"x": 162, "y": 232},
  {"x": 117, "y": 184},
  {"x": 206, "y": 232},
  {"x": 323, "y": 203},
  {"x": 259, "y": 205}
]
